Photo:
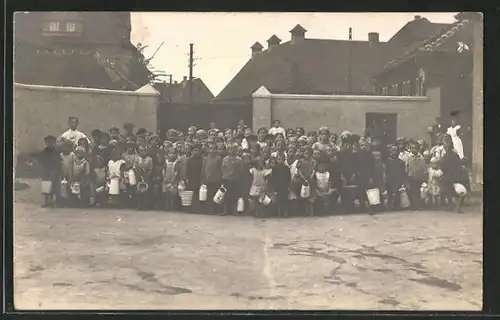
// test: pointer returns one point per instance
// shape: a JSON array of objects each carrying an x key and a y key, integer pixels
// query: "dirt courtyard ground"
[{"x": 115, "y": 259}]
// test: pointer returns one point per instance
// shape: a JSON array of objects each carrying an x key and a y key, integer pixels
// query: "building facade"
[{"x": 80, "y": 49}]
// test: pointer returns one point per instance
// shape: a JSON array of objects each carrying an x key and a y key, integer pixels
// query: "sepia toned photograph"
[{"x": 248, "y": 161}]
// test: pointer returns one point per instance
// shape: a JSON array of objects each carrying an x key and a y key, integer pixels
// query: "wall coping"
[
  {"x": 84, "y": 90},
  {"x": 343, "y": 97}
]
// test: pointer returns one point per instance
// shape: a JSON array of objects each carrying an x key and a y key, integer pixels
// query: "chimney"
[
  {"x": 298, "y": 34},
  {"x": 417, "y": 17},
  {"x": 273, "y": 42},
  {"x": 184, "y": 81},
  {"x": 373, "y": 39},
  {"x": 256, "y": 48}
]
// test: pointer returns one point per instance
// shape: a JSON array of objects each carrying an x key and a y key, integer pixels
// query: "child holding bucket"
[
  {"x": 434, "y": 183},
  {"x": 156, "y": 193},
  {"x": 324, "y": 190},
  {"x": 143, "y": 170},
  {"x": 115, "y": 168},
  {"x": 67, "y": 156},
  {"x": 50, "y": 161},
  {"x": 100, "y": 173},
  {"x": 212, "y": 176},
  {"x": 170, "y": 176},
  {"x": 395, "y": 177},
  {"x": 80, "y": 177},
  {"x": 257, "y": 189},
  {"x": 193, "y": 174},
  {"x": 306, "y": 168},
  {"x": 232, "y": 167}
]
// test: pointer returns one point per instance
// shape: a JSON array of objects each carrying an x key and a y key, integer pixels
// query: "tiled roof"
[
  {"x": 180, "y": 91},
  {"x": 274, "y": 40},
  {"x": 71, "y": 68},
  {"x": 445, "y": 40},
  {"x": 315, "y": 66}
]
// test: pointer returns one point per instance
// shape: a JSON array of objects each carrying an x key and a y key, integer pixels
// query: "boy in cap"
[{"x": 129, "y": 131}]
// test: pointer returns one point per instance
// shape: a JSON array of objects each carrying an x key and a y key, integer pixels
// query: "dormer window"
[
  {"x": 54, "y": 26},
  {"x": 70, "y": 27},
  {"x": 63, "y": 24}
]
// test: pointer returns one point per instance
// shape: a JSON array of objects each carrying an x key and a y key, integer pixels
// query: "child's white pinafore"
[
  {"x": 114, "y": 174},
  {"x": 293, "y": 173},
  {"x": 434, "y": 181}
]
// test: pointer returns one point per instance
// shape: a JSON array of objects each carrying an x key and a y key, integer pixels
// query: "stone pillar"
[
  {"x": 262, "y": 100},
  {"x": 477, "y": 104}
]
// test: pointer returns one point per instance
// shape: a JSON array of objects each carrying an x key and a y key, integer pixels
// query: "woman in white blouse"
[{"x": 454, "y": 132}]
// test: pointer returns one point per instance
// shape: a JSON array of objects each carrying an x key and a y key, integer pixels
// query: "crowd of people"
[{"x": 236, "y": 171}]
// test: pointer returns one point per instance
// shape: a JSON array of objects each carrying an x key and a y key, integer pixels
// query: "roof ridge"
[{"x": 433, "y": 42}]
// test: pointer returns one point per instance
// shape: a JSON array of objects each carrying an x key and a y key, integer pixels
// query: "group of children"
[{"x": 273, "y": 172}]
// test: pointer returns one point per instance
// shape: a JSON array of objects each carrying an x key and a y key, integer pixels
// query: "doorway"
[{"x": 382, "y": 125}]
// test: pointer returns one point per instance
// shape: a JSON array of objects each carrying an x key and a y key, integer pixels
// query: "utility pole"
[
  {"x": 191, "y": 63},
  {"x": 350, "y": 61}
]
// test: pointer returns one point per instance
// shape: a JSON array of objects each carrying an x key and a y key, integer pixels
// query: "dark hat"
[
  {"x": 454, "y": 113},
  {"x": 50, "y": 138},
  {"x": 355, "y": 138}
]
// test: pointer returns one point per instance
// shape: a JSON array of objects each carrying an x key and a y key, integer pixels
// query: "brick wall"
[
  {"x": 414, "y": 114},
  {"x": 44, "y": 110}
]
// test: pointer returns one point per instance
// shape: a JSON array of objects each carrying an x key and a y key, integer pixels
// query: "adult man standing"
[{"x": 73, "y": 134}]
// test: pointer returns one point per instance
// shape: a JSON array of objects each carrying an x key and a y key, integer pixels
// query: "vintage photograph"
[{"x": 248, "y": 161}]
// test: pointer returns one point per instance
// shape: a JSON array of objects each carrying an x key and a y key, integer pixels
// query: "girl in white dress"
[
  {"x": 115, "y": 176},
  {"x": 453, "y": 131}
]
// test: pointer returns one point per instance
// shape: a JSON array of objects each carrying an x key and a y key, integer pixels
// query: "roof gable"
[
  {"x": 449, "y": 39},
  {"x": 179, "y": 92},
  {"x": 315, "y": 66}
]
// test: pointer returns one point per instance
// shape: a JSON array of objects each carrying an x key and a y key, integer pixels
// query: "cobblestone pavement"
[{"x": 115, "y": 259}]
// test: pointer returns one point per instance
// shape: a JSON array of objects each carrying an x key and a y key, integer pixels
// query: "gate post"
[{"x": 262, "y": 100}]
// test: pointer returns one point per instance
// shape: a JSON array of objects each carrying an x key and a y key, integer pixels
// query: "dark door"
[{"x": 382, "y": 125}]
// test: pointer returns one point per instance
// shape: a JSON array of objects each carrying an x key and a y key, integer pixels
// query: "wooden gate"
[{"x": 180, "y": 116}]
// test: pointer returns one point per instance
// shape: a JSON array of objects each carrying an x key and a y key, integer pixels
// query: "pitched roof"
[
  {"x": 298, "y": 29},
  {"x": 413, "y": 32},
  {"x": 445, "y": 40},
  {"x": 257, "y": 46},
  {"x": 72, "y": 68},
  {"x": 274, "y": 39},
  {"x": 418, "y": 29},
  {"x": 180, "y": 91},
  {"x": 315, "y": 66}
]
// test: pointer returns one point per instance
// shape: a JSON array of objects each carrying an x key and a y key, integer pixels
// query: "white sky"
[{"x": 222, "y": 41}]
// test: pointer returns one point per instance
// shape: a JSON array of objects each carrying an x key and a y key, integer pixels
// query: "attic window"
[
  {"x": 70, "y": 27},
  {"x": 54, "y": 26}
]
